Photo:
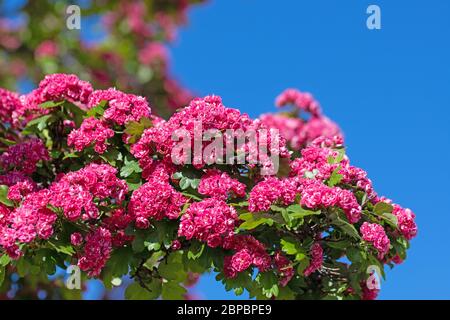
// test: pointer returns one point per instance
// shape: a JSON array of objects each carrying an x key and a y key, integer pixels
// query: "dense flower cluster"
[
  {"x": 91, "y": 131},
  {"x": 23, "y": 224},
  {"x": 59, "y": 87},
  {"x": 215, "y": 183},
  {"x": 122, "y": 107},
  {"x": 316, "y": 259},
  {"x": 201, "y": 116},
  {"x": 24, "y": 157},
  {"x": 209, "y": 220},
  {"x": 77, "y": 193},
  {"x": 9, "y": 103},
  {"x": 248, "y": 251},
  {"x": 96, "y": 251},
  {"x": 375, "y": 234},
  {"x": 301, "y": 100},
  {"x": 291, "y": 226},
  {"x": 155, "y": 199},
  {"x": 298, "y": 131}
]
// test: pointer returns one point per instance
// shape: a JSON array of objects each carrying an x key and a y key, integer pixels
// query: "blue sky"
[{"x": 389, "y": 90}]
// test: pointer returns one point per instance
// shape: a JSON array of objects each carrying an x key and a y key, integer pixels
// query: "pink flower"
[
  {"x": 270, "y": 191},
  {"x": 316, "y": 259},
  {"x": 302, "y": 100},
  {"x": 122, "y": 107},
  {"x": 9, "y": 104},
  {"x": 406, "y": 223},
  {"x": 76, "y": 239},
  {"x": 241, "y": 260},
  {"x": 96, "y": 252},
  {"x": 215, "y": 183},
  {"x": 155, "y": 199},
  {"x": 209, "y": 221},
  {"x": 91, "y": 131},
  {"x": 284, "y": 266},
  {"x": 75, "y": 191},
  {"x": 59, "y": 86},
  {"x": 24, "y": 156},
  {"x": 20, "y": 190},
  {"x": 375, "y": 234}
]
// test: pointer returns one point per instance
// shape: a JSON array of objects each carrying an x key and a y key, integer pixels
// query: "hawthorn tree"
[{"x": 273, "y": 206}]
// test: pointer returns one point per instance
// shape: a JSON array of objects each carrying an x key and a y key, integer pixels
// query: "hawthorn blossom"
[
  {"x": 122, "y": 108},
  {"x": 215, "y": 183},
  {"x": 96, "y": 251},
  {"x": 301, "y": 100},
  {"x": 316, "y": 252},
  {"x": 155, "y": 199},
  {"x": 24, "y": 156},
  {"x": 285, "y": 268},
  {"x": 91, "y": 131},
  {"x": 75, "y": 192},
  {"x": 406, "y": 224},
  {"x": 375, "y": 234},
  {"x": 209, "y": 220}
]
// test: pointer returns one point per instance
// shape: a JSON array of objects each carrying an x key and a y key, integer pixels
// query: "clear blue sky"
[{"x": 389, "y": 90}]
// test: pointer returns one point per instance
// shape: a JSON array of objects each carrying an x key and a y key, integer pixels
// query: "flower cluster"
[
  {"x": 24, "y": 156},
  {"x": 209, "y": 220},
  {"x": 248, "y": 251},
  {"x": 97, "y": 250},
  {"x": 316, "y": 259},
  {"x": 91, "y": 131},
  {"x": 122, "y": 107},
  {"x": 9, "y": 103},
  {"x": 77, "y": 193},
  {"x": 155, "y": 199},
  {"x": 205, "y": 115},
  {"x": 59, "y": 87},
  {"x": 375, "y": 234},
  {"x": 215, "y": 183},
  {"x": 23, "y": 224},
  {"x": 301, "y": 100},
  {"x": 270, "y": 191}
]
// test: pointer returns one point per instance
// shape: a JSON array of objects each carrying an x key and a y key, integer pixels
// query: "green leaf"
[
  {"x": 135, "y": 292},
  {"x": 23, "y": 267},
  {"x": 382, "y": 207},
  {"x": 296, "y": 211},
  {"x": 252, "y": 221},
  {"x": 129, "y": 168},
  {"x": 346, "y": 227},
  {"x": 354, "y": 255},
  {"x": 184, "y": 183},
  {"x": 4, "y": 196},
  {"x": 4, "y": 260},
  {"x": 40, "y": 122},
  {"x": 269, "y": 284},
  {"x": 288, "y": 247},
  {"x": 344, "y": 244},
  {"x": 173, "y": 291},
  {"x": 335, "y": 177},
  {"x": 391, "y": 219},
  {"x": 135, "y": 129},
  {"x": 7, "y": 141},
  {"x": 2, "y": 275},
  {"x": 171, "y": 271},
  {"x": 70, "y": 155},
  {"x": 97, "y": 111},
  {"x": 62, "y": 247},
  {"x": 196, "y": 250},
  {"x": 50, "y": 104}
]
